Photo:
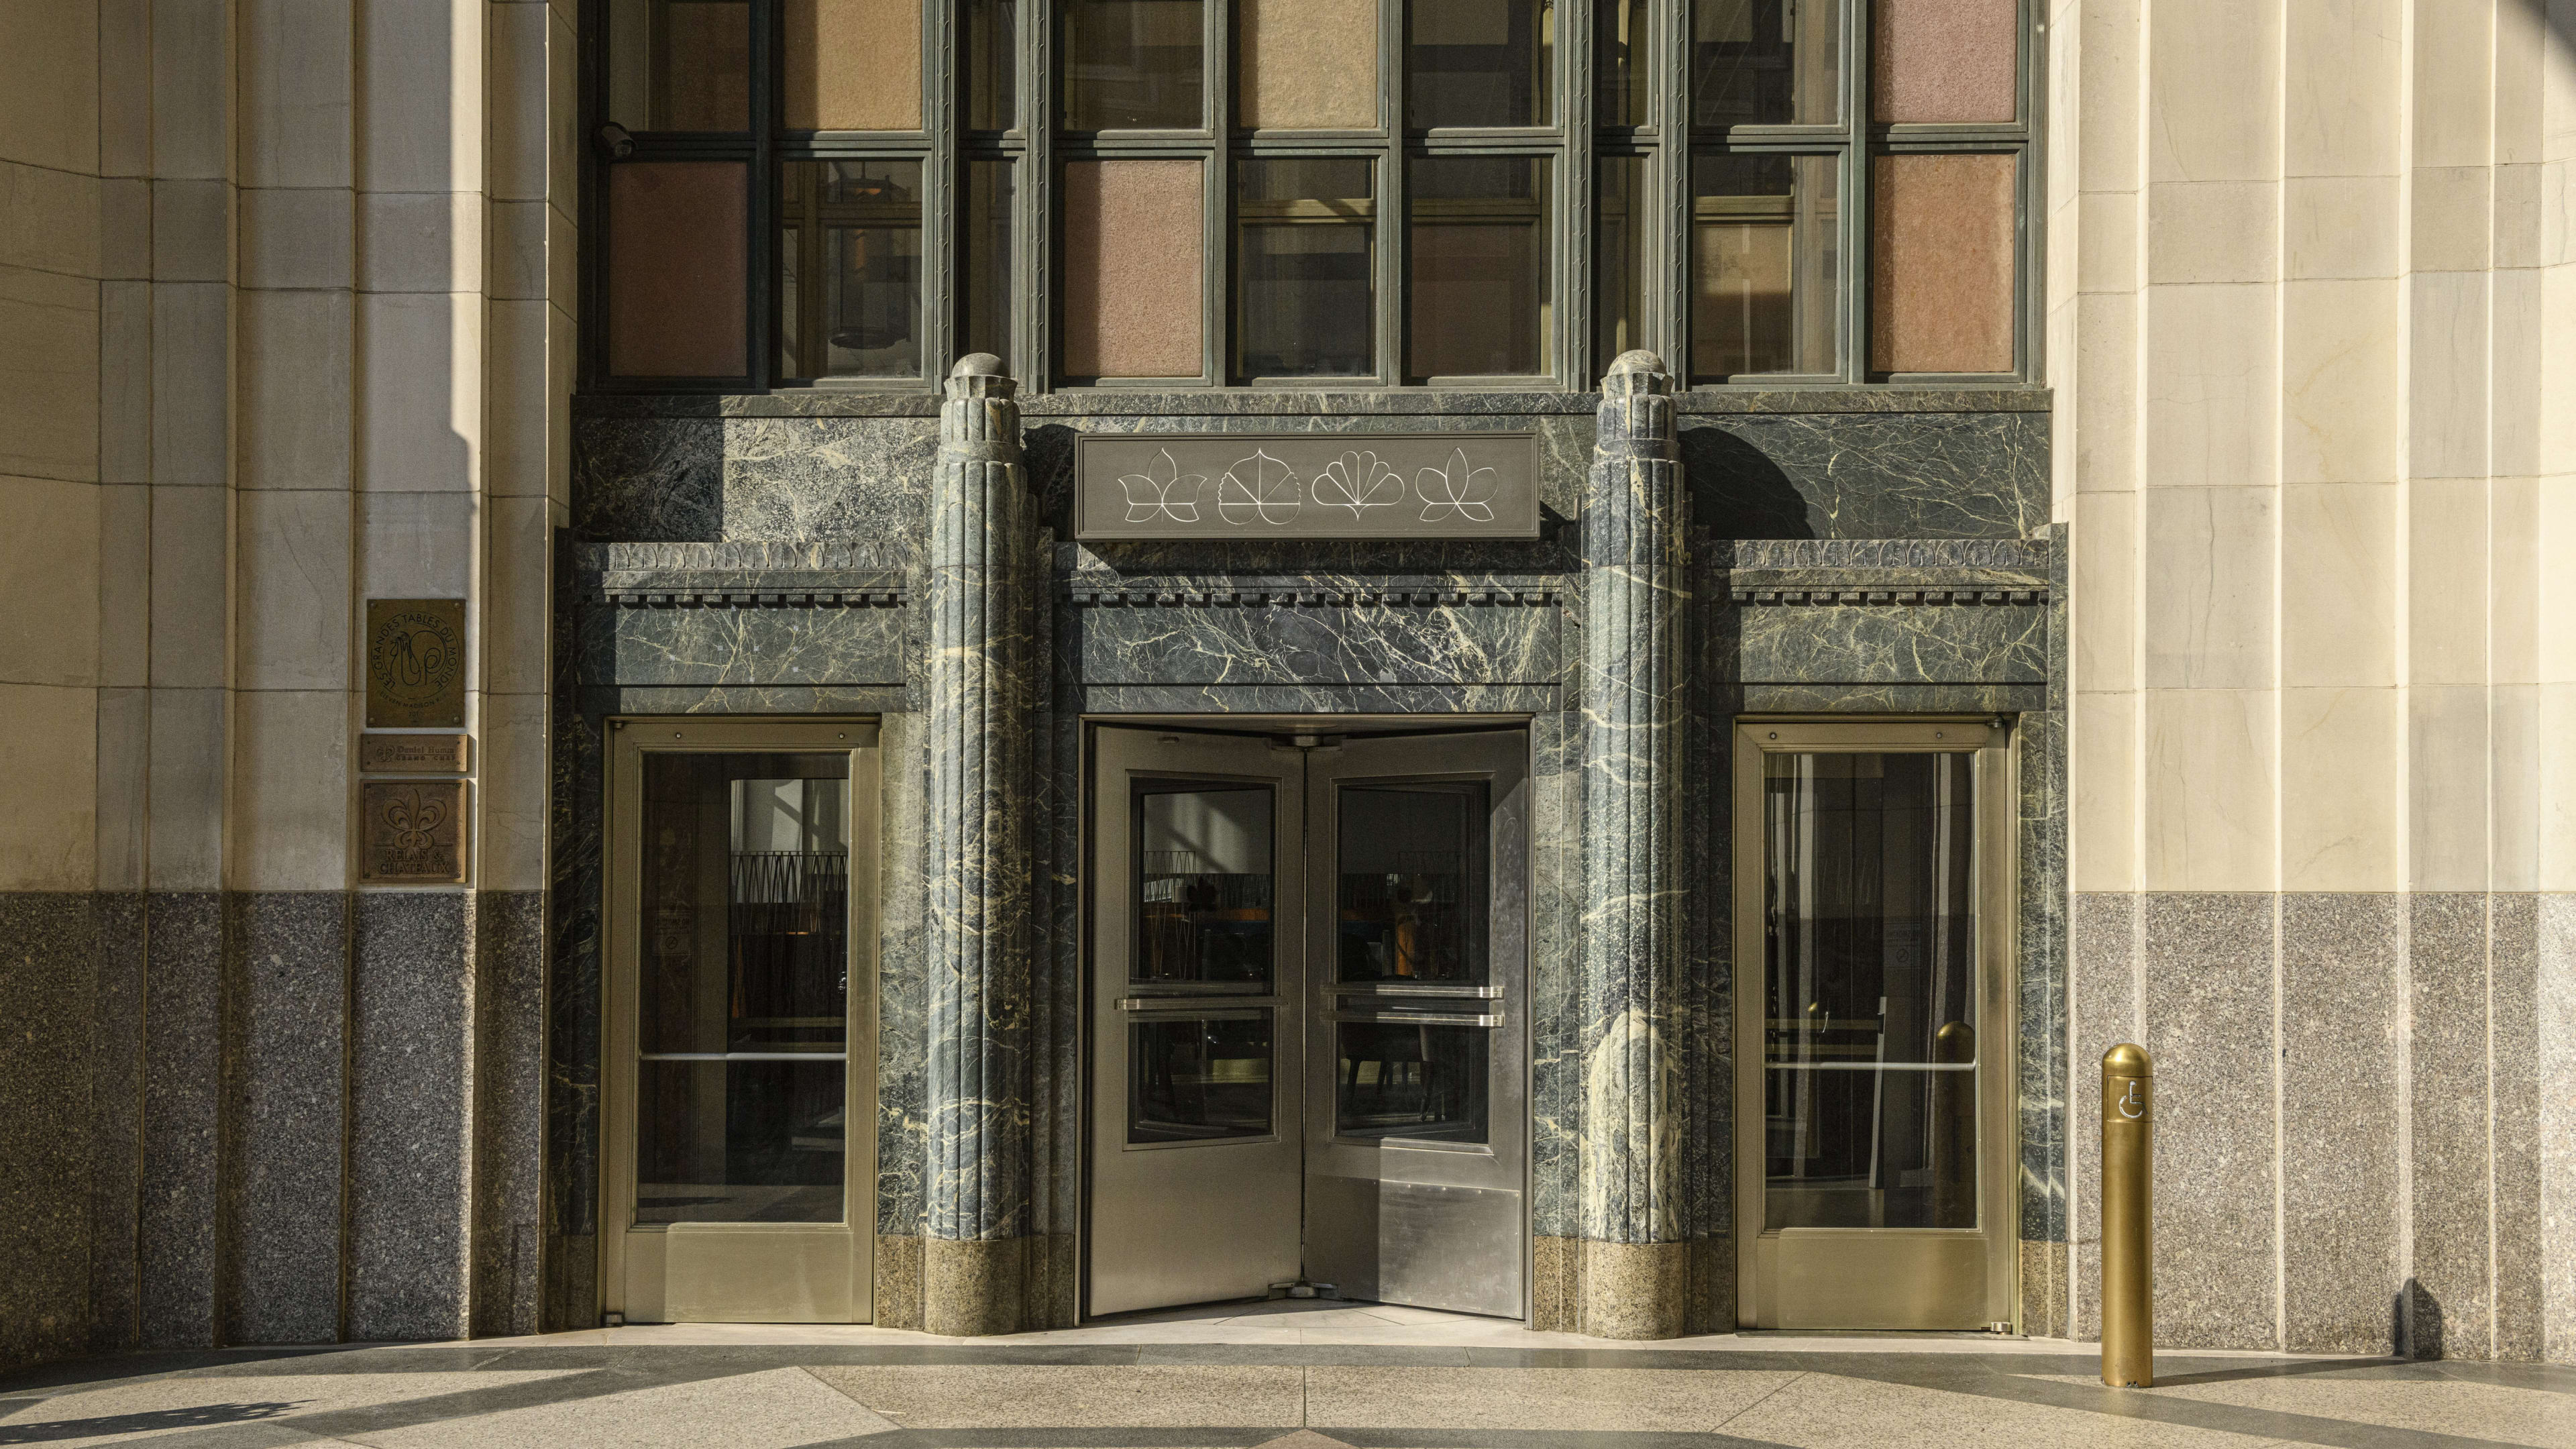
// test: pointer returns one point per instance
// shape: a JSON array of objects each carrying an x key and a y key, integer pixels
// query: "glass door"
[
  {"x": 741, "y": 970},
  {"x": 1875, "y": 1184}
]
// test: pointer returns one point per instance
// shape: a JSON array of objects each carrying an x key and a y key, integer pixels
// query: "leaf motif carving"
[
  {"x": 1460, "y": 490},
  {"x": 1149, "y": 497},
  {"x": 1260, "y": 488},
  {"x": 1358, "y": 481}
]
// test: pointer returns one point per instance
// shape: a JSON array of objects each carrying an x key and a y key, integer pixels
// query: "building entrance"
[{"x": 1309, "y": 1017}]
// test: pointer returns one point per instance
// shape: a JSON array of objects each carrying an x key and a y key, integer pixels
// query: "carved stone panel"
[
  {"x": 1306, "y": 485},
  {"x": 412, "y": 754},
  {"x": 415, "y": 663},
  {"x": 411, "y": 832}
]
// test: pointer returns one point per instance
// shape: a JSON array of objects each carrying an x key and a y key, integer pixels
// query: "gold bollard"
[{"x": 2128, "y": 1203}]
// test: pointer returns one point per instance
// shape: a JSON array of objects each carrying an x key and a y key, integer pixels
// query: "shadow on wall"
[
  {"x": 2415, "y": 1322},
  {"x": 1737, "y": 491}
]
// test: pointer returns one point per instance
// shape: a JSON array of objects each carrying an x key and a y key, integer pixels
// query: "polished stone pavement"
[{"x": 1284, "y": 1376}]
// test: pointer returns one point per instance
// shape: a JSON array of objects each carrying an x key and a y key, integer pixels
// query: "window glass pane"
[
  {"x": 1306, "y": 65},
  {"x": 1199, "y": 1077},
  {"x": 1944, "y": 60},
  {"x": 1203, "y": 883},
  {"x": 1625, "y": 67},
  {"x": 1765, "y": 62},
  {"x": 1869, "y": 990},
  {"x": 1411, "y": 889},
  {"x": 851, "y": 65},
  {"x": 1134, "y": 64},
  {"x": 1305, "y": 264},
  {"x": 1762, "y": 265},
  {"x": 987, "y": 249},
  {"x": 679, "y": 65},
  {"x": 1480, "y": 62},
  {"x": 676, "y": 280},
  {"x": 1133, "y": 278},
  {"x": 739, "y": 1142},
  {"x": 1478, "y": 273},
  {"x": 992, "y": 66},
  {"x": 1942, "y": 261},
  {"x": 1619, "y": 306},
  {"x": 849, "y": 269},
  {"x": 1403, "y": 1079}
]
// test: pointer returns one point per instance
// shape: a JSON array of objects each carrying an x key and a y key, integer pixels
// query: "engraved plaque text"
[
  {"x": 411, "y": 754},
  {"x": 415, "y": 663}
]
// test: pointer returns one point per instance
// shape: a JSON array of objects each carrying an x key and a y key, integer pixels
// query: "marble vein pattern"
[
  {"x": 1287, "y": 403},
  {"x": 794, "y": 480},
  {"x": 1915, "y": 476},
  {"x": 766, "y": 647},
  {"x": 1317, "y": 630}
]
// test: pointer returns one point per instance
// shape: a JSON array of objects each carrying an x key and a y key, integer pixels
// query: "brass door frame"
[
  {"x": 739, "y": 1271},
  {"x": 1887, "y": 1277}
]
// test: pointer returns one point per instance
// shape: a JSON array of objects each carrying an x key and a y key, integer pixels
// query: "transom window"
[{"x": 1172, "y": 194}]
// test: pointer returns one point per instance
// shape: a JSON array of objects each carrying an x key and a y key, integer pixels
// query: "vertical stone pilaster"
[
  {"x": 981, "y": 758},
  {"x": 1633, "y": 1272}
]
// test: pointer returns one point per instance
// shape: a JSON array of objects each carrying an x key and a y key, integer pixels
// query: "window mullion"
[
  {"x": 1033, "y": 258},
  {"x": 939, "y": 190},
  {"x": 1217, "y": 214},
  {"x": 1851, "y": 285},
  {"x": 1577, "y": 237}
]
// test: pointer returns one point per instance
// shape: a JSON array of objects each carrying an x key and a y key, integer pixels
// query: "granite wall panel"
[
  {"x": 2554, "y": 1034},
  {"x": 1892, "y": 644},
  {"x": 286, "y": 995},
  {"x": 48, "y": 948},
  {"x": 411, "y": 1027},
  {"x": 570, "y": 1203},
  {"x": 2513, "y": 964},
  {"x": 766, "y": 648},
  {"x": 2343, "y": 1009},
  {"x": 1904, "y": 476},
  {"x": 2450, "y": 1304},
  {"x": 182, "y": 1101},
  {"x": 2102, "y": 1011},
  {"x": 509, "y": 1110},
  {"x": 116, "y": 1123},
  {"x": 791, "y": 479}
]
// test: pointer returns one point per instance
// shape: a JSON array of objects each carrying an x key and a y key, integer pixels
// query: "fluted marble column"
[
  {"x": 1633, "y": 1273},
  {"x": 982, "y": 682}
]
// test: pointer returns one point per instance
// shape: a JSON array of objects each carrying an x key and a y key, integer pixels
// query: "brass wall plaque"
[
  {"x": 1305, "y": 485},
  {"x": 411, "y": 832},
  {"x": 411, "y": 754},
  {"x": 415, "y": 663}
]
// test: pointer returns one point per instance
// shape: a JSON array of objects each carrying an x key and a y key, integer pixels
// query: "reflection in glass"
[
  {"x": 987, "y": 248},
  {"x": 679, "y": 65},
  {"x": 1410, "y": 899},
  {"x": 739, "y": 1142},
  {"x": 1763, "y": 258},
  {"x": 1305, "y": 263},
  {"x": 1869, "y": 990},
  {"x": 1765, "y": 62},
  {"x": 1405, "y": 1079},
  {"x": 1619, "y": 306},
  {"x": 1203, "y": 876},
  {"x": 992, "y": 70},
  {"x": 849, "y": 269},
  {"x": 1133, "y": 64},
  {"x": 1199, "y": 1077},
  {"x": 1478, "y": 266},
  {"x": 1479, "y": 62},
  {"x": 1625, "y": 69}
]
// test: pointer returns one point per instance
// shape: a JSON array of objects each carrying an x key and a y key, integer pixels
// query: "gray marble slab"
[
  {"x": 408, "y": 1103},
  {"x": 1896, "y": 644},
  {"x": 2342, "y": 1004},
  {"x": 1911, "y": 476},
  {"x": 285, "y": 1116},
  {"x": 2513, "y": 1056},
  {"x": 2554, "y": 1041},
  {"x": 2102, "y": 1011},
  {"x": 1325, "y": 645},
  {"x": 923, "y": 402},
  {"x": 2450, "y": 1287},
  {"x": 48, "y": 977},
  {"x": 805, "y": 647},
  {"x": 509, "y": 1106},
  {"x": 786, "y": 479}
]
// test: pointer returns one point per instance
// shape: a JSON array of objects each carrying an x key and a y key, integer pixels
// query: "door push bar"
[{"x": 1417, "y": 1018}]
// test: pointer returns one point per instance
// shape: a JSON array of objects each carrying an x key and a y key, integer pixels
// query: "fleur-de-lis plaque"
[{"x": 411, "y": 832}]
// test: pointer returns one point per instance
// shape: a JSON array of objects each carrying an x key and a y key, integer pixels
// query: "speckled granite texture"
[
  {"x": 509, "y": 1109},
  {"x": 1633, "y": 1290},
  {"x": 2342, "y": 983},
  {"x": 182, "y": 1100},
  {"x": 898, "y": 1288},
  {"x": 48, "y": 946},
  {"x": 286, "y": 998},
  {"x": 411, "y": 1028},
  {"x": 2554, "y": 1048},
  {"x": 116, "y": 1121}
]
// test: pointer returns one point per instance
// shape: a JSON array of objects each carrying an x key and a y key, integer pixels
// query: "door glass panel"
[
  {"x": 1203, "y": 884},
  {"x": 1199, "y": 1077},
  {"x": 739, "y": 1141},
  {"x": 1411, "y": 889},
  {"x": 1408, "y": 1079},
  {"x": 1869, "y": 991}
]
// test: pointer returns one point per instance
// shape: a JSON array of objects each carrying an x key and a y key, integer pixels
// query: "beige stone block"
[
  {"x": 2452, "y": 90},
  {"x": 2341, "y": 226},
  {"x": 520, "y": 265},
  {"x": 49, "y": 577},
  {"x": 124, "y": 382},
  {"x": 192, "y": 231},
  {"x": 2446, "y": 787},
  {"x": 2103, "y": 769},
  {"x": 2519, "y": 345},
  {"x": 2554, "y": 579},
  {"x": 191, "y": 574},
  {"x": 2206, "y": 566},
  {"x": 2513, "y": 580},
  {"x": 299, "y": 238},
  {"x": 184, "y": 831},
  {"x": 517, "y": 595},
  {"x": 563, "y": 346},
  {"x": 192, "y": 342},
  {"x": 420, "y": 242},
  {"x": 2343, "y": 87},
  {"x": 124, "y": 584},
  {"x": 291, "y": 625},
  {"x": 420, "y": 96},
  {"x": 563, "y": 133},
  {"x": 2446, "y": 582},
  {"x": 2213, "y": 386},
  {"x": 49, "y": 85},
  {"x": 2343, "y": 346},
  {"x": 2518, "y": 227},
  {"x": 192, "y": 85},
  {"x": 417, "y": 545},
  {"x": 49, "y": 220},
  {"x": 124, "y": 775},
  {"x": 2214, "y": 69},
  {"x": 515, "y": 775},
  {"x": 2207, "y": 809},
  {"x": 2213, "y": 231},
  {"x": 295, "y": 409},
  {"x": 2451, "y": 209},
  {"x": 563, "y": 261},
  {"x": 124, "y": 87},
  {"x": 2556, "y": 435},
  {"x": 420, "y": 413},
  {"x": 2105, "y": 581},
  {"x": 2339, "y": 548},
  {"x": 49, "y": 793},
  {"x": 2105, "y": 365},
  {"x": 2447, "y": 374},
  {"x": 296, "y": 67},
  {"x": 2110, "y": 114},
  {"x": 48, "y": 375},
  {"x": 2106, "y": 241},
  {"x": 2514, "y": 790},
  {"x": 2058, "y": 269},
  {"x": 290, "y": 790},
  {"x": 125, "y": 229},
  {"x": 520, "y": 400},
  {"x": 2555, "y": 800},
  {"x": 519, "y": 113},
  {"x": 2340, "y": 765}
]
